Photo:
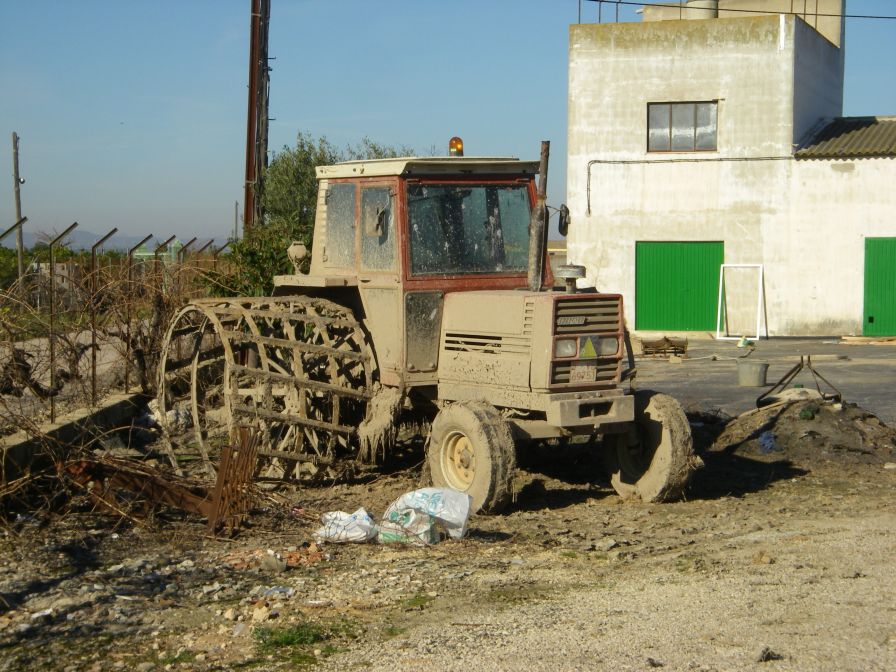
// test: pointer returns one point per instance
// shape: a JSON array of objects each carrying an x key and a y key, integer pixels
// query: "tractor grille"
[
  {"x": 580, "y": 317},
  {"x": 592, "y": 315},
  {"x": 490, "y": 343}
]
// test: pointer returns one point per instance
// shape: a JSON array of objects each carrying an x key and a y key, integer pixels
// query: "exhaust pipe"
[{"x": 538, "y": 224}]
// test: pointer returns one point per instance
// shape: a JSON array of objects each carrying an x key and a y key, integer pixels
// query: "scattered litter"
[
  {"x": 340, "y": 527},
  {"x": 809, "y": 411},
  {"x": 279, "y": 591},
  {"x": 178, "y": 419},
  {"x": 424, "y": 515},
  {"x": 767, "y": 443},
  {"x": 890, "y": 466}
]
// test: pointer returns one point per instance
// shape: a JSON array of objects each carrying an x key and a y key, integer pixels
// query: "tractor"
[{"x": 427, "y": 295}]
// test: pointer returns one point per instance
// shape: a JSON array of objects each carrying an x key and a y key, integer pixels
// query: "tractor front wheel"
[
  {"x": 471, "y": 450},
  {"x": 655, "y": 459}
]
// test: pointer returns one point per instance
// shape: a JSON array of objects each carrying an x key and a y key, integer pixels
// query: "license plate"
[{"x": 583, "y": 373}]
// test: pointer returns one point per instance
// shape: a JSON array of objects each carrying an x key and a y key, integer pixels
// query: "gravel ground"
[{"x": 779, "y": 559}]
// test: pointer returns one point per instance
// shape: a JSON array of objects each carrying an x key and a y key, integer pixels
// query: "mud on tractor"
[{"x": 428, "y": 296}]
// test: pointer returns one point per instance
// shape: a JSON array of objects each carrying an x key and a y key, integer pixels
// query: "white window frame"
[{"x": 760, "y": 302}]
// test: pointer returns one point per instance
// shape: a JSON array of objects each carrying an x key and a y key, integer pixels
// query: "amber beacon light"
[{"x": 455, "y": 147}]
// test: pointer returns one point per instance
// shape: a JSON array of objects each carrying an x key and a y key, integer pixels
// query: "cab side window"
[
  {"x": 341, "y": 225},
  {"x": 377, "y": 229}
]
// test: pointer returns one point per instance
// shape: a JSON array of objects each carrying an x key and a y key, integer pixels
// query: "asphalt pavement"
[{"x": 707, "y": 378}]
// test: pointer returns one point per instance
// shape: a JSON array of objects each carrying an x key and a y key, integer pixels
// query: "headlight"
[
  {"x": 565, "y": 347},
  {"x": 608, "y": 347}
]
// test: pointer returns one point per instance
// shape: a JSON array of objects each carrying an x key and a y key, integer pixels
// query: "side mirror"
[{"x": 563, "y": 220}]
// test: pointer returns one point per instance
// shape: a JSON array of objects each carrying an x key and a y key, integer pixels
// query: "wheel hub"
[{"x": 460, "y": 461}]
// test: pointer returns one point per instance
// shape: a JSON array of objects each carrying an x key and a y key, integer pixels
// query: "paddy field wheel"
[{"x": 297, "y": 369}]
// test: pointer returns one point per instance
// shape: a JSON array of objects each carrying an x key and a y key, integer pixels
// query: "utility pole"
[
  {"x": 257, "y": 113},
  {"x": 20, "y": 259}
]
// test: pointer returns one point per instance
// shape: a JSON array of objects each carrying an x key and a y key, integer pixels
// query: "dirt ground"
[{"x": 781, "y": 558}]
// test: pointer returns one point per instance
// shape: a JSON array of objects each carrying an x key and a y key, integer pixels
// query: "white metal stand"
[{"x": 760, "y": 301}]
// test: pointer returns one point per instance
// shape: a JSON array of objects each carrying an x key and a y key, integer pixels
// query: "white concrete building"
[{"x": 709, "y": 134}]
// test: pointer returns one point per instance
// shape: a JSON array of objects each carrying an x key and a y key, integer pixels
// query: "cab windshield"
[{"x": 458, "y": 229}]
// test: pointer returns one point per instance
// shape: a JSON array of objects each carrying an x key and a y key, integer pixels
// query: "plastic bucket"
[{"x": 751, "y": 374}]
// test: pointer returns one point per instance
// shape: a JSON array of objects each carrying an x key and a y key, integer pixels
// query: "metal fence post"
[
  {"x": 93, "y": 299},
  {"x": 130, "y": 298},
  {"x": 216, "y": 253},
  {"x": 203, "y": 249},
  {"x": 53, "y": 390}
]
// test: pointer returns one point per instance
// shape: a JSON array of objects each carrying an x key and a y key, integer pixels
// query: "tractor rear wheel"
[
  {"x": 471, "y": 450},
  {"x": 655, "y": 459}
]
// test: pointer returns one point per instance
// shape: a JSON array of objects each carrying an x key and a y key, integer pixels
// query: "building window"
[{"x": 682, "y": 127}]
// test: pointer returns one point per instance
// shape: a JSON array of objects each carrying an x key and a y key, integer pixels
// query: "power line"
[{"x": 667, "y": 5}]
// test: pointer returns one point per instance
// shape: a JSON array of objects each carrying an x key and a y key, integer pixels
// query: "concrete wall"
[
  {"x": 615, "y": 71},
  {"x": 775, "y": 79},
  {"x": 815, "y": 254},
  {"x": 817, "y": 81},
  {"x": 823, "y": 15}
]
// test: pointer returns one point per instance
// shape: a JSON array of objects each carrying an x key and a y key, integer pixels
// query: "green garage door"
[
  {"x": 880, "y": 287},
  {"x": 677, "y": 285}
]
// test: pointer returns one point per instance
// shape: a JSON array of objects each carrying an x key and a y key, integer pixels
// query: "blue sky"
[{"x": 132, "y": 114}]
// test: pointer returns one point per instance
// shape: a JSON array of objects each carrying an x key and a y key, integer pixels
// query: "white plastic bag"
[
  {"x": 422, "y": 516},
  {"x": 341, "y": 527}
]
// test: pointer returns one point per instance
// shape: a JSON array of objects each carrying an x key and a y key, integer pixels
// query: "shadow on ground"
[{"x": 727, "y": 474}]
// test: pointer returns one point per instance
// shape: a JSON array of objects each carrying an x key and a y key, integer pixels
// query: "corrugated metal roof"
[{"x": 853, "y": 138}]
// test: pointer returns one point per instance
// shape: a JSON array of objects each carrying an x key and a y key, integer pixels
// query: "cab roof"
[{"x": 429, "y": 165}]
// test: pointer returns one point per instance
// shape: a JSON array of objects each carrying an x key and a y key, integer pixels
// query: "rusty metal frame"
[
  {"x": 230, "y": 498},
  {"x": 226, "y": 504}
]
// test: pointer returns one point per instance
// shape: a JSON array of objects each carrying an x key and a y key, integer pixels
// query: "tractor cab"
[{"x": 392, "y": 237}]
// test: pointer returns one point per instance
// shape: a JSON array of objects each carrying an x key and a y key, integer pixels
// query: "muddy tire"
[
  {"x": 653, "y": 461},
  {"x": 471, "y": 450}
]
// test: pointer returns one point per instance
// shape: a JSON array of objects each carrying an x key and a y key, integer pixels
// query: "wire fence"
[{"x": 73, "y": 332}]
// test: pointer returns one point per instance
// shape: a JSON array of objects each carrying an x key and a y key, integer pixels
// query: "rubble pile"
[{"x": 810, "y": 430}]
